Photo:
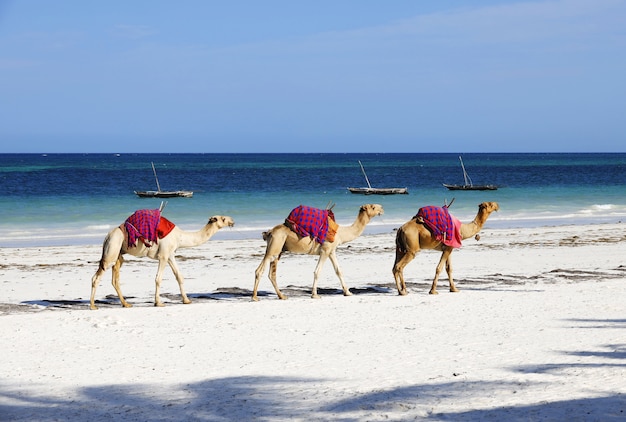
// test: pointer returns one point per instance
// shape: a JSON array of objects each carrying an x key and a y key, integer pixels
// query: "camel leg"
[
  {"x": 402, "y": 260},
  {"x": 449, "y": 271},
  {"x": 316, "y": 273},
  {"x": 273, "y": 252},
  {"x": 115, "y": 280},
  {"x": 442, "y": 261},
  {"x": 95, "y": 282},
  {"x": 272, "y": 276},
  {"x": 179, "y": 278},
  {"x": 111, "y": 254},
  {"x": 333, "y": 259},
  {"x": 257, "y": 278},
  {"x": 157, "y": 282}
]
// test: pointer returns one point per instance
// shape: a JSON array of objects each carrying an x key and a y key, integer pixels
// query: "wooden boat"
[
  {"x": 162, "y": 193},
  {"x": 468, "y": 185},
  {"x": 369, "y": 190},
  {"x": 379, "y": 191}
]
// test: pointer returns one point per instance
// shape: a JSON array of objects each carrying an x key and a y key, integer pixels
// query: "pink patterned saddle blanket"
[
  {"x": 147, "y": 226},
  {"x": 444, "y": 226},
  {"x": 314, "y": 222}
]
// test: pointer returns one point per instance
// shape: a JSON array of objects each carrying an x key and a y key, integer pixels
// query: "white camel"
[
  {"x": 282, "y": 239},
  {"x": 115, "y": 246}
]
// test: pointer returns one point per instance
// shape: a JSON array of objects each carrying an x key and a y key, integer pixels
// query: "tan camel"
[
  {"x": 281, "y": 239},
  {"x": 115, "y": 246},
  {"x": 414, "y": 236}
]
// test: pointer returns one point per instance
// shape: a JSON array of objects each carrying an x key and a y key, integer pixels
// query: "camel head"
[
  {"x": 484, "y": 211},
  {"x": 488, "y": 207},
  {"x": 221, "y": 221},
  {"x": 372, "y": 210}
]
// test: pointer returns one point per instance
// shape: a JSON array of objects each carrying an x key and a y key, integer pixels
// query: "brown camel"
[
  {"x": 115, "y": 246},
  {"x": 281, "y": 238},
  {"x": 414, "y": 236}
]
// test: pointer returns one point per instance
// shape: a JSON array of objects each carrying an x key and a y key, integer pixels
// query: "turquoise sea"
[{"x": 70, "y": 199}]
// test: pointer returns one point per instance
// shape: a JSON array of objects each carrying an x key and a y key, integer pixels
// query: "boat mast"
[
  {"x": 468, "y": 181},
  {"x": 156, "y": 178},
  {"x": 366, "y": 179}
]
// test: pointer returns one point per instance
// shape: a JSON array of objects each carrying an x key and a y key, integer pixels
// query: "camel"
[
  {"x": 282, "y": 239},
  {"x": 414, "y": 236},
  {"x": 115, "y": 246}
]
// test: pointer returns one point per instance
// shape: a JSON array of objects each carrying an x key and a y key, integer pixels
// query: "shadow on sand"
[
  {"x": 275, "y": 398},
  {"x": 280, "y": 398},
  {"x": 223, "y": 294}
]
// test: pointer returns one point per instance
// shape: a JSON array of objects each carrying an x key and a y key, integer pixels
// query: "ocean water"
[{"x": 71, "y": 199}]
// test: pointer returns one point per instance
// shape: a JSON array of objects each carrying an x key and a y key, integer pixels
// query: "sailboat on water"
[
  {"x": 162, "y": 193},
  {"x": 468, "y": 185},
  {"x": 369, "y": 190}
]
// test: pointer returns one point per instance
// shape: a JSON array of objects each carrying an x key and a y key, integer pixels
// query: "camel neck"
[
  {"x": 355, "y": 229},
  {"x": 192, "y": 239}
]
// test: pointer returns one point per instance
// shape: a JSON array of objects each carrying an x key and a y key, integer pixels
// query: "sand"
[{"x": 537, "y": 332}]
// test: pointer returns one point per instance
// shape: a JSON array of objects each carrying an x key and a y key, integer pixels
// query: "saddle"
[
  {"x": 444, "y": 227},
  {"x": 147, "y": 226},
  {"x": 314, "y": 222}
]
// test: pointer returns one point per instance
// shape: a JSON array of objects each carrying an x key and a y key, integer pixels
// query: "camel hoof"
[
  {"x": 127, "y": 305},
  {"x": 348, "y": 293},
  {"x": 255, "y": 299},
  {"x": 187, "y": 302},
  {"x": 159, "y": 304},
  {"x": 315, "y": 296},
  {"x": 282, "y": 297},
  {"x": 403, "y": 292},
  {"x": 455, "y": 290},
  {"x": 93, "y": 307},
  {"x": 433, "y": 292}
]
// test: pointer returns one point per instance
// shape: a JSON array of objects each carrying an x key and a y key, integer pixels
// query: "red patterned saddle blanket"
[
  {"x": 147, "y": 226},
  {"x": 315, "y": 222},
  {"x": 445, "y": 227}
]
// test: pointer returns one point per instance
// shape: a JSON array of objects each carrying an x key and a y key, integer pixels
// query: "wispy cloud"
[
  {"x": 519, "y": 26},
  {"x": 524, "y": 21}
]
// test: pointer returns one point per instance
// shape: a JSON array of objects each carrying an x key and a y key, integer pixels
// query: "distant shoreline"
[{"x": 374, "y": 228}]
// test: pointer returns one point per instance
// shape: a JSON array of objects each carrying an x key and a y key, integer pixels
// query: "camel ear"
[{"x": 212, "y": 220}]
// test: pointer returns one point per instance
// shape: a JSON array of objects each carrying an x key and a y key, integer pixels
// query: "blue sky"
[{"x": 313, "y": 76}]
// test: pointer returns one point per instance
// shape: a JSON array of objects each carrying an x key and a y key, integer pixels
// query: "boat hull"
[
  {"x": 471, "y": 187},
  {"x": 164, "y": 194},
  {"x": 379, "y": 191}
]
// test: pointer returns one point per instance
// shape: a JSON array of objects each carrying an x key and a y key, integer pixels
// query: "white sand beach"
[{"x": 537, "y": 332}]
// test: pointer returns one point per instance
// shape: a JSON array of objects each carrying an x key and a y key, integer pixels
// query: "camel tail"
[
  {"x": 101, "y": 265},
  {"x": 401, "y": 244},
  {"x": 107, "y": 246},
  {"x": 267, "y": 235}
]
